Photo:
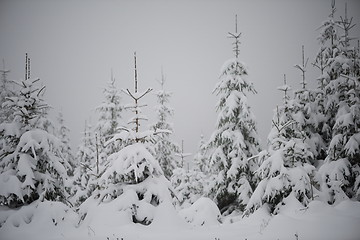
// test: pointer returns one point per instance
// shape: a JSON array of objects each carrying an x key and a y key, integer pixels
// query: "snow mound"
[
  {"x": 203, "y": 212},
  {"x": 290, "y": 205},
  {"x": 165, "y": 217},
  {"x": 137, "y": 203},
  {"x": 107, "y": 215},
  {"x": 38, "y": 218}
]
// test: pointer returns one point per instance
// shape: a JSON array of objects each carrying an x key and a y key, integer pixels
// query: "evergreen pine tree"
[
  {"x": 189, "y": 185},
  {"x": 164, "y": 146},
  {"x": 109, "y": 121},
  {"x": 309, "y": 113},
  {"x": 201, "y": 159},
  {"x": 63, "y": 134},
  {"x": 31, "y": 163},
  {"x": 286, "y": 169},
  {"x": 340, "y": 171},
  {"x": 188, "y": 181},
  {"x": 5, "y": 92},
  {"x": 132, "y": 177},
  {"x": 87, "y": 168},
  {"x": 235, "y": 140}
]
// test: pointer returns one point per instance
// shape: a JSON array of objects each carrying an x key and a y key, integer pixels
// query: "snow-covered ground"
[{"x": 52, "y": 220}]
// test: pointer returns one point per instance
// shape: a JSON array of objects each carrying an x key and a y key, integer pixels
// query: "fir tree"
[
  {"x": 109, "y": 120},
  {"x": 340, "y": 172},
  {"x": 63, "y": 134},
  {"x": 308, "y": 112},
  {"x": 235, "y": 140},
  {"x": 132, "y": 175},
  {"x": 164, "y": 147},
  {"x": 201, "y": 159},
  {"x": 189, "y": 185},
  {"x": 87, "y": 168},
  {"x": 5, "y": 92},
  {"x": 31, "y": 163},
  {"x": 286, "y": 169}
]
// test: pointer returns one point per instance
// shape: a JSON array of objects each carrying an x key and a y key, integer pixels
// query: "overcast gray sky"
[{"x": 75, "y": 44}]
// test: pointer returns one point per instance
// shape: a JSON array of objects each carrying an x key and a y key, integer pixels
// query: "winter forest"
[{"x": 128, "y": 178}]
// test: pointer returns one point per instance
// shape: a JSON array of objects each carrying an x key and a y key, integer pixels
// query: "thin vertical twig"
[
  {"x": 136, "y": 83},
  {"x": 26, "y": 66}
]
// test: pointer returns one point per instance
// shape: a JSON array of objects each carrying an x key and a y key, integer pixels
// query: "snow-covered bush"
[
  {"x": 203, "y": 212},
  {"x": 44, "y": 213},
  {"x": 188, "y": 186}
]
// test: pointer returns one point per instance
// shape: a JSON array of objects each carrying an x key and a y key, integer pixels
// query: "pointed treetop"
[
  {"x": 285, "y": 88},
  {"x": 136, "y": 86},
  {"x": 4, "y": 70},
  {"x": 137, "y": 96},
  {"x": 235, "y": 36},
  {"x": 346, "y": 25},
  {"x": 162, "y": 80},
  {"x": 27, "y": 67},
  {"x": 4, "y": 73},
  {"x": 182, "y": 154},
  {"x": 112, "y": 76},
  {"x": 333, "y": 9},
  {"x": 235, "y": 23},
  {"x": 302, "y": 68}
]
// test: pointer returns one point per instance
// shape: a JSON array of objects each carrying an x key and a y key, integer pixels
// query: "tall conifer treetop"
[{"x": 235, "y": 139}]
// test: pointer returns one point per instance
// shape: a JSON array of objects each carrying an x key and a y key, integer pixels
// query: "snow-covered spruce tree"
[
  {"x": 339, "y": 174},
  {"x": 95, "y": 147},
  {"x": 32, "y": 165},
  {"x": 308, "y": 112},
  {"x": 235, "y": 139},
  {"x": 63, "y": 134},
  {"x": 189, "y": 185},
  {"x": 87, "y": 168},
  {"x": 201, "y": 158},
  {"x": 192, "y": 183},
  {"x": 6, "y": 113},
  {"x": 188, "y": 181},
  {"x": 286, "y": 169},
  {"x": 133, "y": 181},
  {"x": 5, "y": 92},
  {"x": 164, "y": 146},
  {"x": 329, "y": 41},
  {"x": 109, "y": 120}
]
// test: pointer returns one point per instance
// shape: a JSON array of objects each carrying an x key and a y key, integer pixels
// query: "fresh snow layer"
[{"x": 52, "y": 220}]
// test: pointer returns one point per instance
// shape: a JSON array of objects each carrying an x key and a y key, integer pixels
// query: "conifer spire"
[
  {"x": 302, "y": 68},
  {"x": 236, "y": 37},
  {"x": 4, "y": 72},
  {"x": 136, "y": 98},
  {"x": 285, "y": 88}
]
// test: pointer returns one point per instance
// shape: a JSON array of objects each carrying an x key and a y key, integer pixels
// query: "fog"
[{"x": 74, "y": 46}]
